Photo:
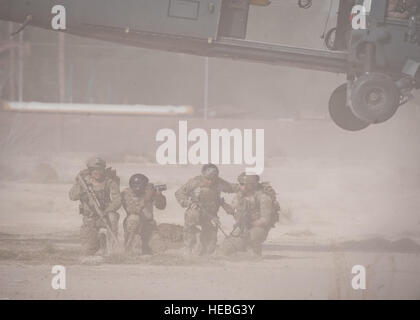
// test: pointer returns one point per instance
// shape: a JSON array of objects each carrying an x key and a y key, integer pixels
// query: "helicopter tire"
[
  {"x": 375, "y": 98},
  {"x": 341, "y": 113}
]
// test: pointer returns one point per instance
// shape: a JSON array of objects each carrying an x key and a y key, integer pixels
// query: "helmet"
[
  {"x": 96, "y": 163},
  {"x": 138, "y": 182},
  {"x": 244, "y": 178},
  {"x": 210, "y": 171}
]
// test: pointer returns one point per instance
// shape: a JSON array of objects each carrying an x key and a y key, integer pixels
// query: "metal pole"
[
  {"x": 206, "y": 87},
  {"x": 20, "y": 67},
  {"x": 61, "y": 68},
  {"x": 69, "y": 84},
  {"x": 12, "y": 63},
  {"x": 61, "y": 85}
]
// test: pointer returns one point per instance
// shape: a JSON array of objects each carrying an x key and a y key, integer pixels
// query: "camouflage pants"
[
  {"x": 195, "y": 240},
  {"x": 91, "y": 237},
  {"x": 251, "y": 238},
  {"x": 139, "y": 234}
]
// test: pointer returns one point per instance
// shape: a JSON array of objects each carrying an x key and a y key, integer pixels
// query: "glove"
[{"x": 192, "y": 204}]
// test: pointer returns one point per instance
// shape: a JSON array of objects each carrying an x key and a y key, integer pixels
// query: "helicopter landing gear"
[
  {"x": 341, "y": 113},
  {"x": 374, "y": 98}
]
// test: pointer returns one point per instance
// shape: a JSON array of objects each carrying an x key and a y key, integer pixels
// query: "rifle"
[
  {"x": 243, "y": 221},
  {"x": 216, "y": 224},
  {"x": 161, "y": 187},
  {"x": 97, "y": 206},
  {"x": 241, "y": 215}
]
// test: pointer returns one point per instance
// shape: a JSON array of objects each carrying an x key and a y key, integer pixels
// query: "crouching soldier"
[
  {"x": 255, "y": 210},
  {"x": 138, "y": 201},
  {"x": 201, "y": 196},
  {"x": 97, "y": 188}
]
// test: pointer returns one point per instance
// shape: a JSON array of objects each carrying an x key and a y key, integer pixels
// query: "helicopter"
[{"x": 381, "y": 60}]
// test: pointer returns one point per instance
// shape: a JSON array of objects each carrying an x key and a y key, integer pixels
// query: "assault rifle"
[
  {"x": 215, "y": 222},
  {"x": 241, "y": 215},
  {"x": 160, "y": 187},
  {"x": 97, "y": 205}
]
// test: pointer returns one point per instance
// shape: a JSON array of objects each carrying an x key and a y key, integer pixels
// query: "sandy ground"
[
  {"x": 282, "y": 273},
  {"x": 347, "y": 199},
  {"x": 285, "y": 277},
  {"x": 308, "y": 256}
]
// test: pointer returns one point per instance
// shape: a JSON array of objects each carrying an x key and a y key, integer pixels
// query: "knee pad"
[
  {"x": 132, "y": 223},
  {"x": 257, "y": 235},
  {"x": 88, "y": 231},
  {"x": 89, "y": 222},
  {"x": 90, "y": 239},
  {"x": 192, "y": 217},
  {"x": 190, "y": 235},
  {"x": 114, "y": 217}
]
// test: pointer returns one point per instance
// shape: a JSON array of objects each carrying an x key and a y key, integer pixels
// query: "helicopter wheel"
[
  {"x": 341, "y": 114},
  {"x": 374, "y": 98}
]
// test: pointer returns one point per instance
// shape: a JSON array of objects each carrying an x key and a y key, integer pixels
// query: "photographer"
[{"x": 138, "y": 201}]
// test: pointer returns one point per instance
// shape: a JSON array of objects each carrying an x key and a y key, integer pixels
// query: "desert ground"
[{"x": 347, "y": 199}]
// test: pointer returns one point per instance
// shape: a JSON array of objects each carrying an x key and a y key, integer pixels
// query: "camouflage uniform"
[
  {"x": 108, "y": 194},
  {"x": 139, "y": 220},
  {"x": 208, "y": 200},
  {"x": 401, "y": 9},
  {"x": 247, "y": 210}
]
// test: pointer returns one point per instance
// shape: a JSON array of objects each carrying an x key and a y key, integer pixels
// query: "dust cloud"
[{"x": 347, "y": 198}]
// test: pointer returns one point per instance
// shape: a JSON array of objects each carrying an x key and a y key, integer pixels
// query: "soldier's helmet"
[
  {"x": 96, "y": 163},
  {"x": 210, "y": 171},
  {"x": 138, "y": 182},
  {"x": 251, "y": 179}
]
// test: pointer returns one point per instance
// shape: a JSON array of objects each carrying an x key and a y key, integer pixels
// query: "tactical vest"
[
  {"x": 102, "y": 191},
  {"x": 208, "y": 197}
]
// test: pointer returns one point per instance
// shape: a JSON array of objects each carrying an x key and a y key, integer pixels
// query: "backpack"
[{"x": 267, "y": 189}]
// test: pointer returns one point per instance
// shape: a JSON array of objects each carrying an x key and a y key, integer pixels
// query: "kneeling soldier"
[
  {"x": 138, "y": 201},
  {"x": 201, "y": 196},
  {"x": 255, "y": 210},
  {"x": 98, "y": 190}
]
